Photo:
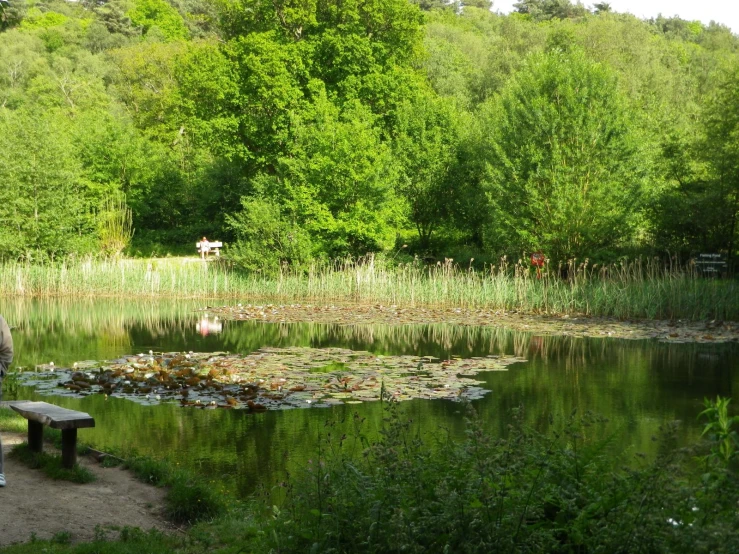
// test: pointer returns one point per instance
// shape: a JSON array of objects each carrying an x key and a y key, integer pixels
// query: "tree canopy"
[{"x": 355, "y": 127}]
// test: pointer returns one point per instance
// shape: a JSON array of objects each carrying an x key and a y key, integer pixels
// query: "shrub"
[
  {"x": 189, "y": 501},
  {"x": 526, "y": 492},
  {"x": 266, "y": 238}
]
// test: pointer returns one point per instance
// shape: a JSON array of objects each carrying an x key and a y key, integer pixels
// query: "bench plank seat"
[
  {"x": 213, "y": 244},
  {"x": 55, "y": 417},
  {"x": 39, "y": 414}
]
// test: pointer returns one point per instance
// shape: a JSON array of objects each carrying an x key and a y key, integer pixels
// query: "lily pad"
[
  {"x": 270, "y": 378},
  {"x": 539, "y": 324}
]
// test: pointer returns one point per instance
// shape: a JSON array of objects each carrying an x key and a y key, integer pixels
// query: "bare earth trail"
[{"x": 33, "y": 503}]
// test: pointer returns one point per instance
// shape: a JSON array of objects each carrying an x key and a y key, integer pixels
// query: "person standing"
[{"x": 6, "y": 358}]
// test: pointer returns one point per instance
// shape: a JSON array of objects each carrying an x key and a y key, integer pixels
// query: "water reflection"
[
  {"x": 207, "y": 326},
  {"x": 638, "y": 385}
]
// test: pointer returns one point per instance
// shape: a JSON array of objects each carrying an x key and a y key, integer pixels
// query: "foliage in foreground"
[
  {"x": 527, "y": 492},
  {"x": 189, "y": 498},
  {"x": 557, "y": 491},
  {"x": 131, "y": 541}
]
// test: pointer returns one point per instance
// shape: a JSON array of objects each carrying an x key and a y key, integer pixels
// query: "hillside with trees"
[{"x": 303, "y": 130}]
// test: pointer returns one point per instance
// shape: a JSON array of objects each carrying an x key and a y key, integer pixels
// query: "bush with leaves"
[
  {"x": 526, "y": 492},
  {"x": 266, "y": 238},
  {"x": 567, "y": 163}
]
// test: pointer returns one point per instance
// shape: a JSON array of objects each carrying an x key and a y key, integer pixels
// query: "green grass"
[
  {"x": 131, "y": 541},
  {"x": 640, "y": 289},
  {"x": 177, "y": 277},
  {"x": 51, "y": 465},
  {"x": 11, "y": 421},
  {"x": 189, "y": 498}
]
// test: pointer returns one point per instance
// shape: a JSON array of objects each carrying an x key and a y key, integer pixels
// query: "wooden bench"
[
  {"x": 215, "y": 246},
  {"x": 39, "y": 414}
]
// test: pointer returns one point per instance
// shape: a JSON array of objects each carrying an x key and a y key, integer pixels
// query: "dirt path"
[{"x": 34, "y": 503}]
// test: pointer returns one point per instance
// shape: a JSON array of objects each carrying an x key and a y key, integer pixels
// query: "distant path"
[
  {"x": 34, "y": 503},
  {"x": 578, "y": 326}
]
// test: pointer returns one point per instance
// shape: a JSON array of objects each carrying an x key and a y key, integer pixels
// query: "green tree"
[
  {"x": 4, "y": 9},
  {"x": 339, "y": 180},
  {"x": 425, "y": 150},
  {"x": 318, "y": 86},
  {"x": 266, "y": 238},
  {"x": 43, "y": 201},
  {"x": 149, "y": 14},
  {"x": 112, "y": 15},
  {"x": 269, "y": 76},
  {"x": 543, "y": 10},
  {"x": 428, "y": 5},
  {"x": 566, "y": 171},
  {"x": 720, "y": 149},
  {"x": 481, "y": 4}
]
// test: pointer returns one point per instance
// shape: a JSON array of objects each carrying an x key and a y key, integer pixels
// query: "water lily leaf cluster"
[
  {"x": 270, "y": 378},
  {"x": 559, "y": 325}
]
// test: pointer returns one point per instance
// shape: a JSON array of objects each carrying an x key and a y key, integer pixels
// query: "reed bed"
[
  {"x": 122, "y": 277},
  {"x": 644, "y": 289}
]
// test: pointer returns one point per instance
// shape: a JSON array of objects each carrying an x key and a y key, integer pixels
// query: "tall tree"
[
  {"x": 44, "y": 205},
  {"x": 566, "y": 171},
  {"x": 425, "y": 150},
  {"x": 543, "y": 10},
  {"x": 721, "y": 151}
]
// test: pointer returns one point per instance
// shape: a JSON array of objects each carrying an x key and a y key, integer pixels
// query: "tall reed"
[
  {"x": 118, "y": 277},
  {"x": 640, "y": 288}
]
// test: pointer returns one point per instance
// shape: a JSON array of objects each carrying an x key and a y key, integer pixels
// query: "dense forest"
[{"x": 297, "y": 130}]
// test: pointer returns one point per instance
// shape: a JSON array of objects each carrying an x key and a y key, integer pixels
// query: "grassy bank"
[
  {"x": 189, "y": 498},
  {"x": 51, "y": 465},
  {"x": 637, "y": 289},
  {"x": 553, "y": 491}
]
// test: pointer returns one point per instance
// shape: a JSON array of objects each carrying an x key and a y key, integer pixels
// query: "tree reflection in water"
[{"x": 638, "y": 385}]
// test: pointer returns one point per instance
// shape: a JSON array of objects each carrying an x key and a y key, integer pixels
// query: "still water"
[{"x": 637, "y": 385}]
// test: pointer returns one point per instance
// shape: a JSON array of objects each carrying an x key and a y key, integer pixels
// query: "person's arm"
[{"x": 6, "y": 346}]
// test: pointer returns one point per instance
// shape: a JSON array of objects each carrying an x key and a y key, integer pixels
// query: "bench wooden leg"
[
  {"x": 35, "y": 436},
  {"x": 69, "y": 448}
]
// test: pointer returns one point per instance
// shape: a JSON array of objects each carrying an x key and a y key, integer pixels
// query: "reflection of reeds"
[
  {"x": 635, "y": 289},
  {"x": 94, "y": 316},
  {"x": 73, "y": 329},
  {"x": 109, "y": 322}
]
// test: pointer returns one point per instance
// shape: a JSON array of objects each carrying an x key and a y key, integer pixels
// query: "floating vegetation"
[
  {"x": 270, "y": 378},
  {"x": 566, "y": 325}
]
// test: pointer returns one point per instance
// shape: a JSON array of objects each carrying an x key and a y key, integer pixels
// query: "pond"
[{"x": 637, "y": 385}]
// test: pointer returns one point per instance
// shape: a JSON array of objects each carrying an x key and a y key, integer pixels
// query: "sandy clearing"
[{"x": 34, "y": 503}]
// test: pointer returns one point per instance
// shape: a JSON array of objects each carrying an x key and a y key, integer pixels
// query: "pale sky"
[{"x": 725, "y": 12}]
